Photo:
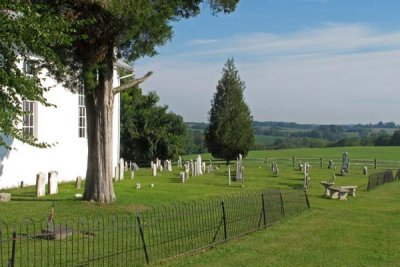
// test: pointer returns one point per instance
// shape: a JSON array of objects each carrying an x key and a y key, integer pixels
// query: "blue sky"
[{"x": 307, "y": 61}]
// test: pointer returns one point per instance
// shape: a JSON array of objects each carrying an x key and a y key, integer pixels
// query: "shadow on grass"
[
  {"x": 16, "y": 197},
  {"x": 293, "y": 186},
  {"x": 175, "y": 180}
]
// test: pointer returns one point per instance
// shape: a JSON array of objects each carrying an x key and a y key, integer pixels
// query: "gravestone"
[
  {"x": 170, "y": 165},
  {"x": 229, "y": 175},
  {"x": 5, "y": 197},
  {"x": 40, "y": 185},
  {"x": 239, "y": 165},
  {"x": 179, "y": 162},
  {"x": 154, "y": 170},
  {"x": 242, "y": 171},
  {"x": 138, "y": 185},
  {"x": 182, "y": 176},
  {"x": 132, "y": 175},
  {"x": 192, "y": 167},
  {"x": 345, "y": 163},
  {"x": 331, "y": 164},
  {"x": 78, "y": 182},
  {"x": 203, "y": 167},
  {"x": 135, "y": 167},
  {"x": 52, "y": 182},
  {"x": 117, "y": 173},
  {"x": 186, "y": 171},
  {"x": 121, "y": 169},
  {"x": 365, "y": 170},
  {"x": 199, "y": 165}
]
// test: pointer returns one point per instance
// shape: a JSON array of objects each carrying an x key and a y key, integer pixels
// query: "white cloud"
[
  {"x": 334, "y": 74},
  {"x": 202, "y": 42}
]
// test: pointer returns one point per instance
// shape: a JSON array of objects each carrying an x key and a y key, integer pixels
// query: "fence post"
[
  {"x": 224, "y": 218},
  {"x": 14, "y": 240},
  {"x": 307, "y": 200},
  {"x": 282, "y": 207},
  {"x": 263, "y": 209},
  {"x": 375, "y": 164},
  {"x": 142, "y": 237},
  {"x": 320, "y": 162},
  {"x": 293, "y": 161}
]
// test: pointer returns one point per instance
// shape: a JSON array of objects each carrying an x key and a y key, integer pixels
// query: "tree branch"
[{"x": 131, "y": 84}]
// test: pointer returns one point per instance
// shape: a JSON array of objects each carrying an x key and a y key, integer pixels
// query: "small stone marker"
[
  {"x": 182, "y": 176},
  {"x": 52, "y": 182},
  {"x": 78, "y": 182},
  {"x": 151, "y": 185},
  {"x": 132, "y": 175},
  {"x": 154, "y": 170},
  {"x": 40, "y": 185},
  {"x": 78, "y": 195},
  {"x": 5, "y": 197},
  {"x": 137, "y": 185},
  {"x": 365, "y": 170}
]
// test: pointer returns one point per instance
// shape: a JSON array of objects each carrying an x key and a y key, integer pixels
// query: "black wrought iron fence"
[
  {"x": 149, "y": 236},
  {"x": 380, "y": 178}
]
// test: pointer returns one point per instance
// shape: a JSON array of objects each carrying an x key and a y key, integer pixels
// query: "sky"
[{"x": 304, "y": 61}]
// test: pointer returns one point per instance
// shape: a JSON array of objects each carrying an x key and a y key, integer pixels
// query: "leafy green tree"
[
  {"x": 26, "y": 30},
  {"x": 149, "y": 131},
  {"x": 230, "y": 130},
  {"x": 395, "y": 140}
]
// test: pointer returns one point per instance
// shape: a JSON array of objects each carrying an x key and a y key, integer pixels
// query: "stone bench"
[
  {"x": 352, "y": 189},
  {"x": 326, "y": 186},
  {"x": 338, "y": 193}
]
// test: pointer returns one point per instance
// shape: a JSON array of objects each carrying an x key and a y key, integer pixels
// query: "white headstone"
[
  {"x": 199, "y": 165},
  {"x": 52, "y": 182},
  {"x": 78, "y": 182},
  {"x": 229, "y": 175},
  {"x": 121, "y": 169},
  {"x": 40, "y": 185},
  {"x": 132, "y": 175},
  {"x": 117, "y": 173},
  {"x": 137, "y": 185},
  {"x": 182, "y": 176},
  {"x": 154, "y": 170},
  {"x": 365, "y": 170}
]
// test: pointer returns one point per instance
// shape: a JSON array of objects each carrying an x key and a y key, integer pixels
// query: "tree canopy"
[
  {"x": 28, "y": 30},
  {"x": 230, "y": 131},
  {"x": 149, "y": 131}
]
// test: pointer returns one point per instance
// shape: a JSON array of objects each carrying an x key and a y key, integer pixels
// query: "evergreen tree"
[{"x": 230, "y": 130}]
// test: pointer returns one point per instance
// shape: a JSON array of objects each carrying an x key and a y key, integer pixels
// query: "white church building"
[{"x": 64, "y": 126}]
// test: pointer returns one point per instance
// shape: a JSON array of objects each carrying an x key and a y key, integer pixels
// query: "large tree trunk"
[{"x": 99, "y": 109}]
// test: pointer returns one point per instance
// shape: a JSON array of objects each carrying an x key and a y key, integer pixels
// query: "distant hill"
[{"x": 278, "y": 134}]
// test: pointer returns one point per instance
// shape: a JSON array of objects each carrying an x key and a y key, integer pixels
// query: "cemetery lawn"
[{"x": 362, "y": 231}]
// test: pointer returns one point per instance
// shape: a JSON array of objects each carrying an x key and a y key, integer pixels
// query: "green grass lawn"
[{"x": 362, "y": 231}]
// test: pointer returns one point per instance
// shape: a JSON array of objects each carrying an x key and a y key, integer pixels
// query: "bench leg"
[
  {"x": 334, "y": 195},
  {"x": 327, "y": 192},
  {"x": 343, "y": 196}
]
